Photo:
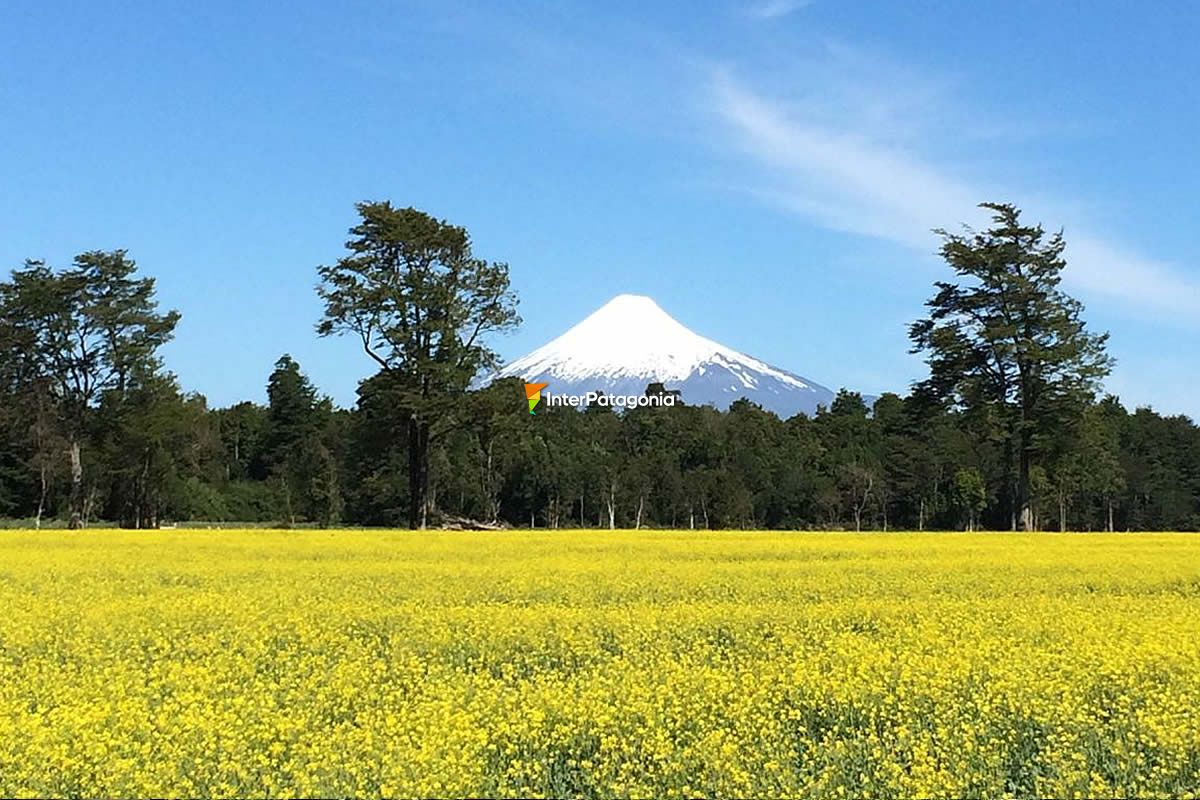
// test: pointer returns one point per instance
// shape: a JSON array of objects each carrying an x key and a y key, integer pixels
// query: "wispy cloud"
[
  {"x": 840, "y": 178},
  {"x": 771, "y": 9},
  {"x": 847, "y": 179}
]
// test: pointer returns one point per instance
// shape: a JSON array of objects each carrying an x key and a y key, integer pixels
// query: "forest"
[{"x": 1009, "y": 430}]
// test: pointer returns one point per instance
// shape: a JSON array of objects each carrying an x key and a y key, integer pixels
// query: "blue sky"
[{"x": 767, "y": 170}]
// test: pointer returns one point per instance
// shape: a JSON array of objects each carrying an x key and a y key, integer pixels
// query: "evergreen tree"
[
  {"x": 75, "y": 335},
  {"x": 294, "y": 452},
  {"x": 970, "y": 495},
  {"x": 1007, "y": 345},
  {"x": 420, "y": 303}
]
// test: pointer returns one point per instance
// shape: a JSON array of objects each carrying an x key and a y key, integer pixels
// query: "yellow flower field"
[{"x": 639, "y": 664}]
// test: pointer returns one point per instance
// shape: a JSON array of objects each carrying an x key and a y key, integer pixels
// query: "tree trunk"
[
  {"x": 89, "y": 504},
  {"x": 418, "y": 472},
  {"x": 490, "y": 479},
  {"x": 45, "y": 488},
  {"x": 287, "y": 502},
  {"x": 76, "y": 486},
  {"x": 921, "y": 515},
  {"x": 612, "y": 505},
  {"x": 637, "y": 525},
  {"x": 860, "y": 507},
  {"x": 429, "y": 508},
  {"x": 145, "y": 510},
  {"x": 1024, "y": 501},
  {"x": 1110, "y": 516},
  {"x": 1062, "y": 512},
  {"x": 1012, "y": 493}
]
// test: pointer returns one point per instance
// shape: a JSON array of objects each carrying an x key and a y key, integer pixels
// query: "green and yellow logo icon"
[{"x": 533, "y": 393}]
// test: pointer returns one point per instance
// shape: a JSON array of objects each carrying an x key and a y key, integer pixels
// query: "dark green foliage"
[
  {"x": 150, "y": 439},
  {"x": 296, "y": 448},
  {"x": 970, "y": 495},
  {"x": 71, "y": 339},
  {"x": 1005, "y": 430},
  {"x": 1009, "y": 347},
  {"x": 421, "y": 303}
]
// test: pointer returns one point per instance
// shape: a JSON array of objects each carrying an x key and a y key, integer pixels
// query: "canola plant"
[{"x": 605, "y": 664}]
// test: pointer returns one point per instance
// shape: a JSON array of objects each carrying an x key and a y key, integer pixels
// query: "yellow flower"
[{"x": 622, "y": 664}]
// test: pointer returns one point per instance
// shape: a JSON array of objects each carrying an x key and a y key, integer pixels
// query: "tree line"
[{"x": 1007, "y": 430}]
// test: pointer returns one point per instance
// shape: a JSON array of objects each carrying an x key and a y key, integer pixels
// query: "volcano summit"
[{"x": 630, "y": 342}]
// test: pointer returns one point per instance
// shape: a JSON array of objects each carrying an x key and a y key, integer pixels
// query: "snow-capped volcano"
[{"x": 631, "y": 342}]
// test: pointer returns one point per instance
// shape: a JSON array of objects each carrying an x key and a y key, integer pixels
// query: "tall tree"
[
  {"x": 150, "y": 439},
  {"x": 604, "y": 459},
  {"x": 852, "y": 444},
  {"x": 294, "y": 453},
  {"x": 1006, "y": 343},
  {"x": 84, "y": 331},
  {"x": 293, "y": 413},
  {"x": 421, "y": 303},
  {"x": 970, "y": 495},
  {"x": 241, "y": 428},
  {"x": 1102, "y": 447}
]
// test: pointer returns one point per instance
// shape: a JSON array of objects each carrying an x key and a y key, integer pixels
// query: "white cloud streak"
[
  {"x": 772, "y": 9},
  {"x": 849, "y": 181}
]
